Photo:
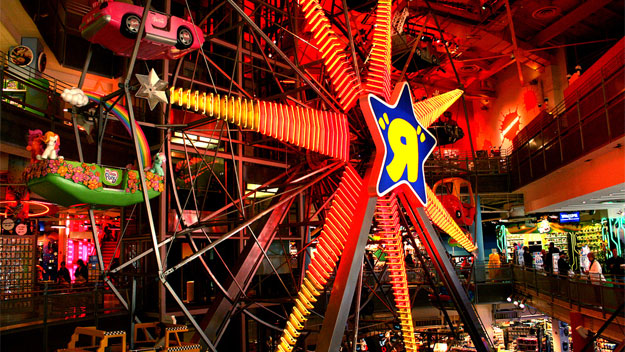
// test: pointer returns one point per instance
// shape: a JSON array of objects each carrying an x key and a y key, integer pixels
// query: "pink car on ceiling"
[{"x": 115, "y": 25}]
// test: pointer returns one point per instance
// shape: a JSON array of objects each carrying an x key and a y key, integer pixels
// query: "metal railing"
[
  {"x": 588, "y": 118},
  {"x": 50, "y": 306},
  {"x": 578, "y": 290}
]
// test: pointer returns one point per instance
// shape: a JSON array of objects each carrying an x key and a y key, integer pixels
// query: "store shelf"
[{"x": 16, "y": 266}]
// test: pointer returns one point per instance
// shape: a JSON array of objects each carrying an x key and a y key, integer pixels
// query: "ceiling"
[{"x": 607, "y": 198}]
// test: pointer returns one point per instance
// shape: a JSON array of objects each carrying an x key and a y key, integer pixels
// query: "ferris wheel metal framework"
[{"x": 349, "y": 209}]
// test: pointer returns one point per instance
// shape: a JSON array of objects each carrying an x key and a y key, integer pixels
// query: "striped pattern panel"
[
  {"x": 319, "y": 131},
  {"x": 329, "y": 249},
  {"x": 429, "y": 110},
  {"x": 378, "y": 80},
  {"x": 386, "y": 214},
  {"x": 441, "y": 218},
  {"x": 335, "y": 59}
]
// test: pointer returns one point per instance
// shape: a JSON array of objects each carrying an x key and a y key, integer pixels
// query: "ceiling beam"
[{"x": 584, "y": 10}]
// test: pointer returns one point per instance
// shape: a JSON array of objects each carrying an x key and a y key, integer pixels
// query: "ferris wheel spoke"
[
  {"x": 341, "y": 73},
  {"x": 429, "y": 110},
  {"x": 320, "y": 131},
  {"x": 387, "y": 216},
  {"x": 378, "y": 80}
]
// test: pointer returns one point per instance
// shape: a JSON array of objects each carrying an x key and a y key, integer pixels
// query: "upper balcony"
[{"x": 590, "y": 117}]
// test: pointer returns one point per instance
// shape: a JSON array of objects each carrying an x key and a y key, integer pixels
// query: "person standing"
[
  {"x": 63, "y": 275},
  {"x": 494, "y": 263},
  {"x": 595, "y": 273},
  {"x": 613, "y": 266},
  {"x": 548, "y": 258},
  {"x": 81, "y": 275},
  {"x": 515, "y": 260},
  {"x": 528, "y": 261},
  {"x": 563, "y": 265}
]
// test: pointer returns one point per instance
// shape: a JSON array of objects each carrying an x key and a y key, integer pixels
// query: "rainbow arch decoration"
[{"x": 122, "y": 115}]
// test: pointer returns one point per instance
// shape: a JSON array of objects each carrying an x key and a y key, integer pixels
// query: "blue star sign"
[{"x": 406, "y": 143}]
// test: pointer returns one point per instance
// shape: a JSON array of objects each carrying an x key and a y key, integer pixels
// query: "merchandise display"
[{"x": 17, "y": 266}]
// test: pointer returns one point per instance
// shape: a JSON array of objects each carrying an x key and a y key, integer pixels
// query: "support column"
[
  {"x": 560, "y": 341},
  {"x": 479, "y": 233}
]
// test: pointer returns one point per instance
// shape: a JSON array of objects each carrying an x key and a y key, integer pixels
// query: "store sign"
[
  {"x": 8, "y": 224},
  {"x": 569, "y": 217},
  {"x": 21, "y": 229},
  {"x": 406, "y": 143}
]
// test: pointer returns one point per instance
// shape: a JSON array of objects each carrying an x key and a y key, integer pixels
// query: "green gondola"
[{"x": 71, "y": 183}]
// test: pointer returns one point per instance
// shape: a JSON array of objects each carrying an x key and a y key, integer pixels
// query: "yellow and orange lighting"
[
  {"x": 386, "y": 215},
  {"x": 329, "y": 249},
  {"x": 428, "y": 111},
  {"x": 335, "y": 59},
  {"x": 441, "y": 218},
  {"x": 320, "y": 131},
  {"x": 378, "y": 80}
]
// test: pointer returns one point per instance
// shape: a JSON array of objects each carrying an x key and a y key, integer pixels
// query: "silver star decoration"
[{"x": 152, "y": 89}]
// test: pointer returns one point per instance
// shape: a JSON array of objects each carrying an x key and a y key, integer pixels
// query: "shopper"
[
  {"x": 81, "y": 275},
  {"x": 63, "y": 275},
  {"x": 614, "y": 268},
  {"x": 409, "y": 261},
  {"x": 563, "y": 265},
  {"x": 493, "y": 264},
  {"x": 595, "y": 272},
  {"x": 515, "y": 260},
  {"x": 548, "y": 258},
  {"x": 527, "y": 258}
]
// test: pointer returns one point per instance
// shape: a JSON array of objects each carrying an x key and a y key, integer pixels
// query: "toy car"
[
  {"x": 456, "y": 195},
  {"x": 115, "y": 25}
]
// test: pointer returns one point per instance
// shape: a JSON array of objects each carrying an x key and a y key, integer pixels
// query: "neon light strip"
[
  {"x": 329, "y": 249},
  {"x": 516, "y": 119},
  {"x": 428, "y": 111},
  {"x": 386, "y": 214},
  {"x": 332, "y": 51},
  {"x": 378, "y": 80},
  {"x": 122, "y": 115},
  {"x": 320, "y": 131},
  {"x": 441, "y": 218}
]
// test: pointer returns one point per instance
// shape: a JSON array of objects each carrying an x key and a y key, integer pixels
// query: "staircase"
[{"x": 108, "y": 249}]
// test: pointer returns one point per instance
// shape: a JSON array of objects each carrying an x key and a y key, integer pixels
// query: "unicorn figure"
[
  {"x": 52, "y": 143},
  {"x": 35, "y": 144},
  {"x": 157, "y": 164}
]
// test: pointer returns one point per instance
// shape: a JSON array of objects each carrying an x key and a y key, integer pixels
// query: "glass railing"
[{"x": 588, "y": 118}]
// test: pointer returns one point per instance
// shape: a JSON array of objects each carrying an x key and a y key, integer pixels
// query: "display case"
[{"x": 17, "y": 266}]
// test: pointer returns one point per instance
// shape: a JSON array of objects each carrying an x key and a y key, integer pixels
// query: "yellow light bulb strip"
[
  {"x": 441, "y": 218},
  {"x": 335, "y": 59},
  {"x": 378, "y": 80},
  {"x": 319, "y": 131},
  {"x": 386, "y": 215},
  {"x": 329, "y": 249},
  {"x": 431, "y": 109}
]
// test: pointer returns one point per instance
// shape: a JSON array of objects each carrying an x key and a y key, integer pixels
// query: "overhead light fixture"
[
  {"x": 58, "y": 227},
  {"x": 522, "y": 304},
  {"x": 509, "y": 299}
]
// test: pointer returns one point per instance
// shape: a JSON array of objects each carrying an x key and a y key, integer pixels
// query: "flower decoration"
[
  {"x": 84, "y": 174},
  {"x": 87, "y": 175}
]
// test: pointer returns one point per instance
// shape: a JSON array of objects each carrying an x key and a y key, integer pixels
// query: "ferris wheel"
[{"x": 360, "y": 142}]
